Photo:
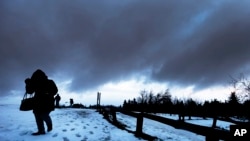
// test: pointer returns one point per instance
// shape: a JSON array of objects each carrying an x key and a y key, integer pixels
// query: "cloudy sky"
[{"x": 123, "y": 47}]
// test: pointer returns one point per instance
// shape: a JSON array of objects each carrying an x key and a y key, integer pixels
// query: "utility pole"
[{"x": 98, "y": 101}]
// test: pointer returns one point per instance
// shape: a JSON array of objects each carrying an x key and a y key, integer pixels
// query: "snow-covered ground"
[
  {"x": 69, "y": 125},
  {"x": 83, "y": 125},
  {"x": 200, "y": 121},
  {"x": 160, "y": 130}
]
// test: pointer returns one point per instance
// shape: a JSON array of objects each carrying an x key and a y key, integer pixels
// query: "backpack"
[{"x": 51, "y": 87}]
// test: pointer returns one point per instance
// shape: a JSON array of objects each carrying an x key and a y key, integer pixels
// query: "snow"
[
  {"x": 84, "y": 125},
  {"x": 200, "y": 121},
  {"x": 160, "y": 130}
]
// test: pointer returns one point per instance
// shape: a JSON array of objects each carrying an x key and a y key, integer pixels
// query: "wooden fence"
[{"x": 211, "y": 134}]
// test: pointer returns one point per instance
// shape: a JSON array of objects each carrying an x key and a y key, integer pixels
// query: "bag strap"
[{"x": 25, "y": 96}]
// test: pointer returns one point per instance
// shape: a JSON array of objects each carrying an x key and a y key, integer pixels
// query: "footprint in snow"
[
  {"x": 72, "y": 129},
  {"x": 55, "y": 135},
  {"x": 84, "y": 139},
  {"x": 24, "y": 133},
  {"x": 108, "y": 138},
  {"x": 78, "y": 135},
  {"x": 64, "y": 130},
  {"x": 65, "y": 139}
]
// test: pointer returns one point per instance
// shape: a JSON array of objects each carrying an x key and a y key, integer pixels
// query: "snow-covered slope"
[
  {"x": 69, "y": 125},
  {"x": 83, "y": 125}
]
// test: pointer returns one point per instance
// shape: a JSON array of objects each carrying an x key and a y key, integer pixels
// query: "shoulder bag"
[{"x": 27, "y": 102}]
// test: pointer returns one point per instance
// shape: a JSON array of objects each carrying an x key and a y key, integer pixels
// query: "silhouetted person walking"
[
  {"x": 44, "y": 90},
  {"x": 71, "y": 101},
  {"x": 57, "y": 98}
]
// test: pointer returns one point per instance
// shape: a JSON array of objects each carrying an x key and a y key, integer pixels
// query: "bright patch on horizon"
[{"x": 111, "y": 93}]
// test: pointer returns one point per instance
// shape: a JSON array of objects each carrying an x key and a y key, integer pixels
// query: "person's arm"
[{"x": 28, "y": 87}]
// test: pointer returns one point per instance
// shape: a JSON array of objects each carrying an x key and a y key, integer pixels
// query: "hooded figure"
[{"x": 44, "y": 90}]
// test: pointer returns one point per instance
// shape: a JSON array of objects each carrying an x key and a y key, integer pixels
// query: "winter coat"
[{"x": 44, "y": 94}]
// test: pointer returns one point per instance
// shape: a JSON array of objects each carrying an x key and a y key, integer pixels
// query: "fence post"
[
  {"x": 113, "y": 112},
  {"x": 106, "y": 113},
  {"x": 139, "y": 124}
]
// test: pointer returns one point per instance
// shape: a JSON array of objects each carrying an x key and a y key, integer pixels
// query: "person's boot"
[
  {"x": 38, "y": 133},
  {"x": 49, "y": 127}
]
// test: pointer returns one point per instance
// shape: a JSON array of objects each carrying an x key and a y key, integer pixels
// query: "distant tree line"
[{"x": 163, "y": 102}]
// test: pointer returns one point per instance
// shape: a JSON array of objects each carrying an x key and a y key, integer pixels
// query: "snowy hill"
[
  {"x": 69, "y": 125},
  {"x": 82, "y": 125}
]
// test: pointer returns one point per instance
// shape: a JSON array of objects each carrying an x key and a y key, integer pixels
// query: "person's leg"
[
  {"x": 39, "y": 123},
  {"x": 57, "y": 104},
  {"x": 48, "y": 121}
]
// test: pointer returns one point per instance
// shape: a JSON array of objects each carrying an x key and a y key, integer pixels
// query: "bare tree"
[
  {"x": 157, "y": 99},
  {"x": 166, "y": 97},
  {"x": 143, "y": 97},
  {"x": 241, "y": 86},
  {"x": 150, "y": 98}
]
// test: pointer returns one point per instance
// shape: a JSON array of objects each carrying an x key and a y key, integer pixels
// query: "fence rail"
[{"x": 210, "y": 133}]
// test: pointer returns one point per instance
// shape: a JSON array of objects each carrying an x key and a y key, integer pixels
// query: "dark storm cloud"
[
  {"x": 194, "y": 42},
  {"x": 217, "y": 48}
]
